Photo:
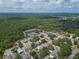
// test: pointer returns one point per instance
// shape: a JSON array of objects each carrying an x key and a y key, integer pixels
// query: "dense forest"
[{"x": 12, "y": 27}]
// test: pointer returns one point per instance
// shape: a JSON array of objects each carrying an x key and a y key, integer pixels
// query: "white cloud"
[
  {"x": 75, "y": 3},
  {"x": 56, "y": 3},
  {"x": 38, "y": 3}
]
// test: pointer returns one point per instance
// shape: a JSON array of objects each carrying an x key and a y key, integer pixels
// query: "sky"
[{"x": 50, "y": 6}]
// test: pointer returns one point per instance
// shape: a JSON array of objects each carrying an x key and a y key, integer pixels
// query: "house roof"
[
  {"x": 30, "y": 30},
  {"x": 19, "y": 50},
  {"x": 8, "y": 52}
]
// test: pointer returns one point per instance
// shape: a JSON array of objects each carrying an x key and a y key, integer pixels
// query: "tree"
[
  {"x": 52, "y": 58},
  {"x": 65, "y": 50},
  {"x": 43, "y": 41},
  {"x": 65, "y": 57},
  {"x": 42, "y": 36},
  {"x": 50, "y": 47},
  {"x": 18, "y": 56},
  {"x": 43, "y": 52},
  {"x": 51, "y": 36},
  {"x": 76, "y": 56},
  {"x": 33, "y": 45},
  {"x": 34, "y": 54}
]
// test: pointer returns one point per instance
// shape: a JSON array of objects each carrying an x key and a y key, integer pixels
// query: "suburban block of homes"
[{"x": 38, "y": 44}]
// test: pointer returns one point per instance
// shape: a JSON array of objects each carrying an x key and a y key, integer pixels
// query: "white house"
[
  {"x": 19, "y": 50},
  {"x": 8, "y": 54}
]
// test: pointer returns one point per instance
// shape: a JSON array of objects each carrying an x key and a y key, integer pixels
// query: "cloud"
[
  {"x": 75, "y": 3},
  {"x": 56, "y": 3},
  {"x": 38, "y": 4}
]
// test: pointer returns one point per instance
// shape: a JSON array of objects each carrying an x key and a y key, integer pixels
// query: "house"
[
  {"x": 24, "y": 55},
  {"x": 51, "y": 56},
  {"x": 28, "y": 33},
  {"x": 53, "y": 53},
  {"x": 45, "y": 44},
  {"x": 19, "y": 50},
  {"x": 37, "y": 43},
  {"x": 56, "y": 38},
  {"x": 57, "y": 48},
  {"x": 8, "y": 54},
  {"x": 77, "y": 38},
  {"x": 38, "y": 48},
  {"x": 71, "y": 36},
  {"x": 26, "y": 44},
  {"x": 61, "y": 37}
]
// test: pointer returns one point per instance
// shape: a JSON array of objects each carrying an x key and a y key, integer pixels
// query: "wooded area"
[{"x": 12, "y": 27}]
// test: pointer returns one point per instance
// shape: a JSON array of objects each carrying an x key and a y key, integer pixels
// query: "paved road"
[{"x": 74, "y": 52}]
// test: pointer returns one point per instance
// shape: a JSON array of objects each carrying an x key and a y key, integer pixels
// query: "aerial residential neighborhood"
[
  {"x": 39, "y": 29},
  {"x": 39, "y": 44}
]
